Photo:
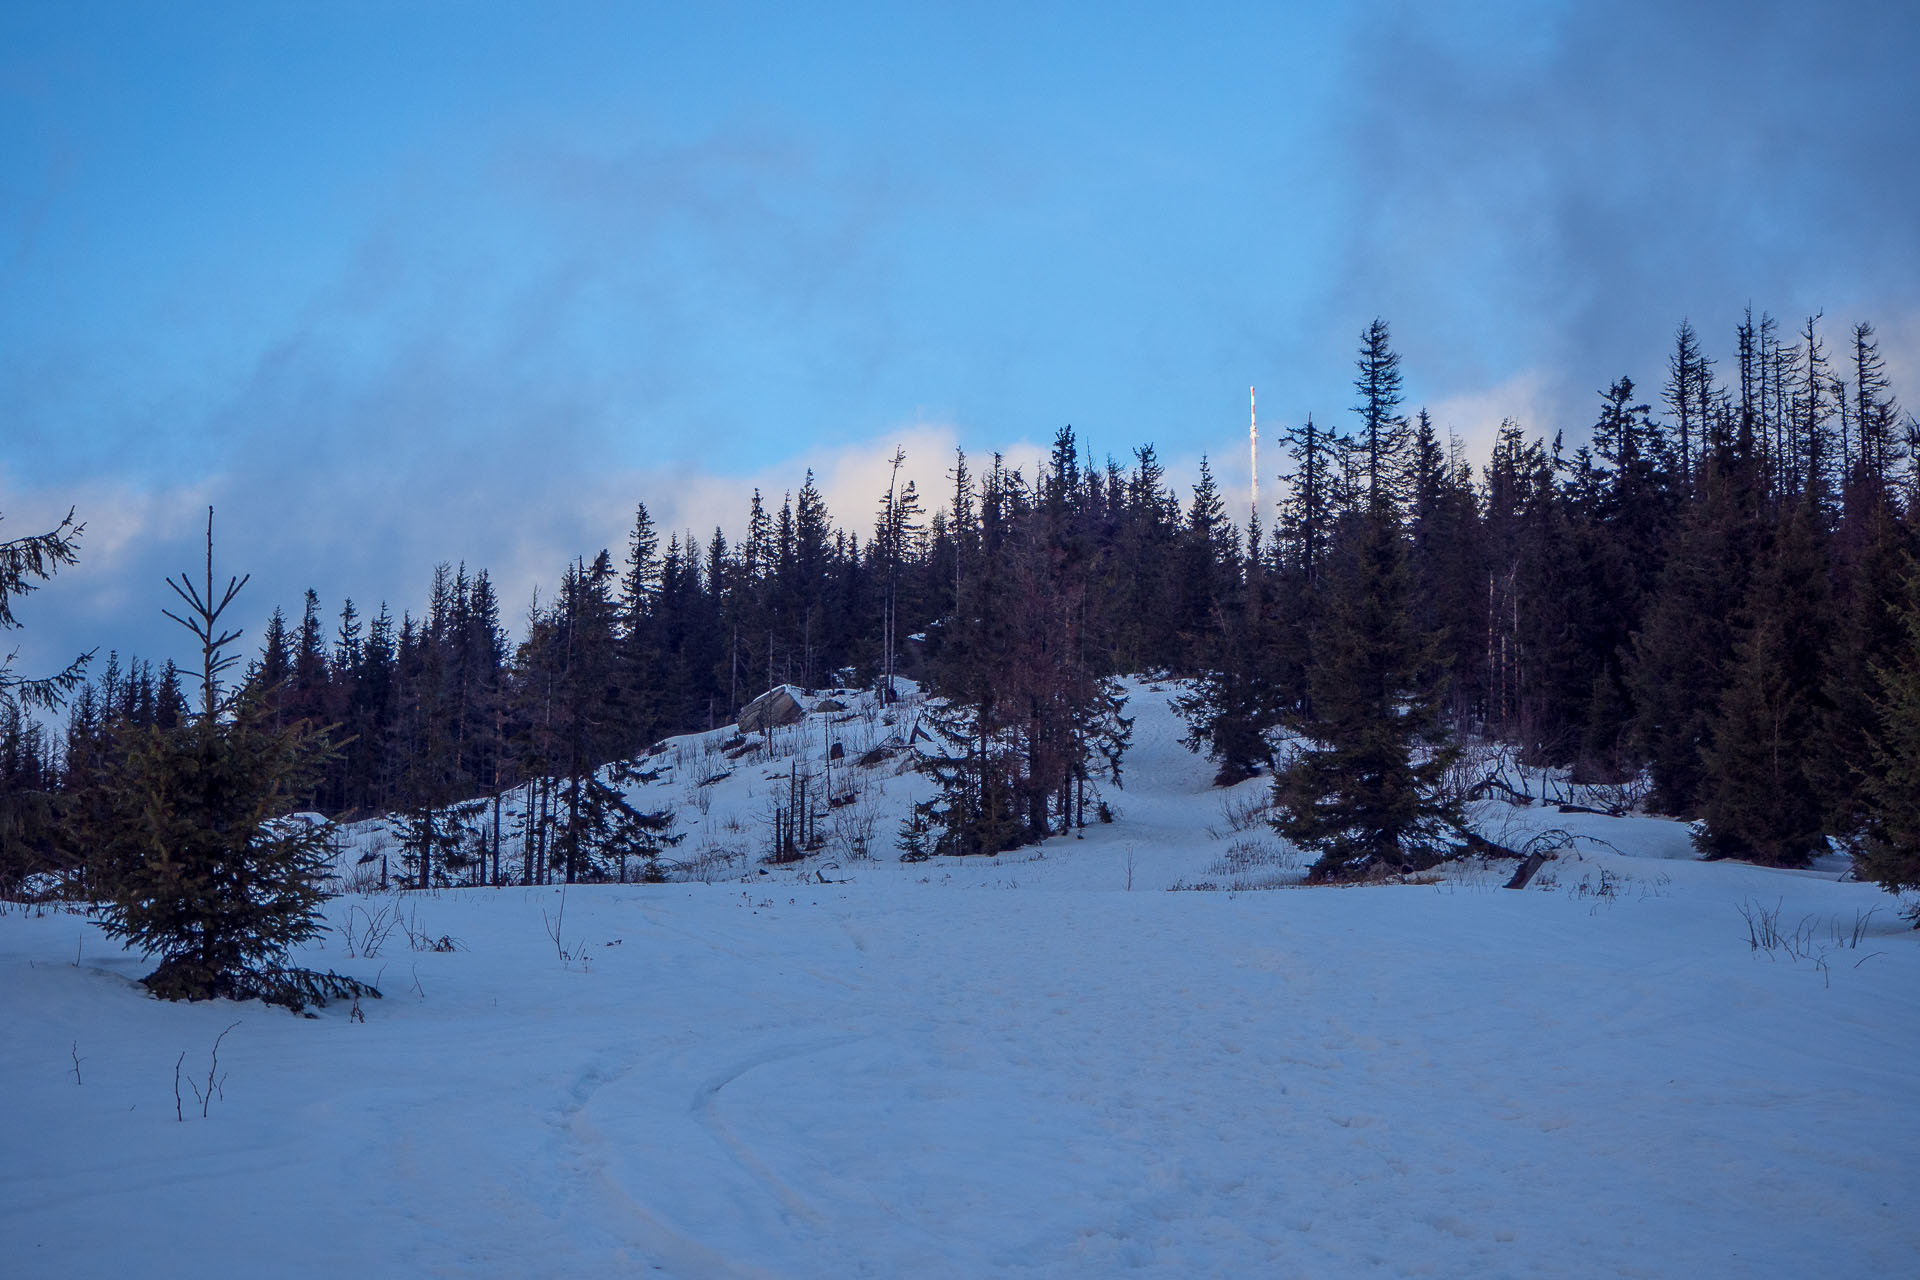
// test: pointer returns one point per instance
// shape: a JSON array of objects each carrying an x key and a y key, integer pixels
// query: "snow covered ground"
[{"x": 1044, "y": 1064}]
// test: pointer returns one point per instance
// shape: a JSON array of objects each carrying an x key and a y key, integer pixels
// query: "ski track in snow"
[
  {"x": 1005, "y": 1067},
  {"x": 792, "y": 1203}
]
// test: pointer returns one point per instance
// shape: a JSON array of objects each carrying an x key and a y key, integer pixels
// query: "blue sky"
[{"x": 396, "y": 284}]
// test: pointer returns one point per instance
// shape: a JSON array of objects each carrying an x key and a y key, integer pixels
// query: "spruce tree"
[
  {"x": 1383, "y": 432},
  {"x": 200, "y": 863},
  {"x": 431, "y": 790},
  {"x": 613, "y": 834},
  {"x": 28, "y": 832},
  {"x": 1681, "y": 658},
  {"x": 893, "y": 536},
  {"x": 1360, "y": 791},
  {"x": 1688, "y": 393},
  {"x": 1360, "y": 788},
  {"x": 1870, "y": 553},
  {"x": 641, "y": 669},
  {"x": 1300, "y": 541},
  {"x": 1876, "y": 412},
  {"x": 267, "y": 677},
  {"x": 307, "y": 678},
  {"x": 372, "y": 712},
  {"x": 1240, "y": 692},
  {"x": 1207, "y": 570},
  {"x": 25, "y": 563},
  {"x": 585, "y": 651},
  {"x": 1889, "y": 851},
  {"x": 1761, "y": 798},
  {"x": 1448, "y": 550}
]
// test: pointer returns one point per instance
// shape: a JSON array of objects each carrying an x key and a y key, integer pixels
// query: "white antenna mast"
[{"x": 1253, "y": 457}]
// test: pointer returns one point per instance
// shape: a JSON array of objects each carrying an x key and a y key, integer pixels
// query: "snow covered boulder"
[{"x": 770, "y": 710}]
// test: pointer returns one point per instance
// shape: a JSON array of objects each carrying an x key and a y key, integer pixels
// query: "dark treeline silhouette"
[{"x": 1712, "y": 592}]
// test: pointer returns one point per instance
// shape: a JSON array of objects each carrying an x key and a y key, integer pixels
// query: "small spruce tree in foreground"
[{"x": 199, "y": 864}]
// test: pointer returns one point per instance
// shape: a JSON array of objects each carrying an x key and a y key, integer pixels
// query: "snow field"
[{"x": 1012, "y": 1066}]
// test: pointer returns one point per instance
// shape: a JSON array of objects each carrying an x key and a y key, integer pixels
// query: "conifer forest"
[{"x": 1709, "y": 590}]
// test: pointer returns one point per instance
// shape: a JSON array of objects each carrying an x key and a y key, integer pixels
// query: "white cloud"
[
  {"x": 1899, "y": 339},
  {"x": 1530, "y": 397},
  {"x": 374, "y": 531}
]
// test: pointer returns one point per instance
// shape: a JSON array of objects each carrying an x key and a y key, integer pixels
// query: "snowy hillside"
[{"x": 1040, "y": 1064}]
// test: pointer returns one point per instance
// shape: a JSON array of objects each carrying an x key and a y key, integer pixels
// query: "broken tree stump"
[{"x": 1528, "y": 868}]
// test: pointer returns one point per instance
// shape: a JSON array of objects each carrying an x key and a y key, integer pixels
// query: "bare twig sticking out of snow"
[
  {"x": 554, "y": 927},
  {"x": 1765, "y": 933},
  {"x": 370, "y": 934},
  {"x": 419, "y": 939},
  {"x": 216, "y": 1083},
  {"x": 1243, "y": 812}
]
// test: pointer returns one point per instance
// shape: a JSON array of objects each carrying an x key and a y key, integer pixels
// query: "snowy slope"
[{"x": 1007, "y": 1066}]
